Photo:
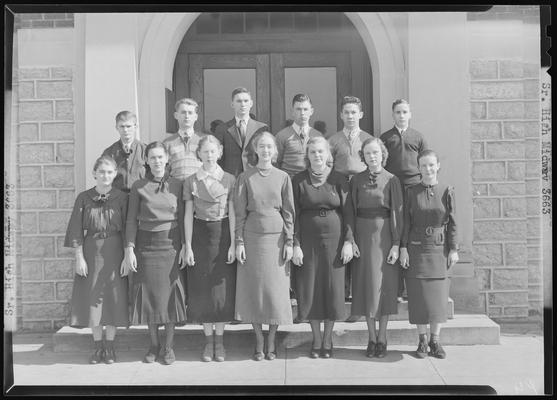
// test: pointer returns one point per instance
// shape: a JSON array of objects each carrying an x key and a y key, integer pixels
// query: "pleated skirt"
[
  {"x": 158, "y": 295},
  {"x": 263, "y": 281}
]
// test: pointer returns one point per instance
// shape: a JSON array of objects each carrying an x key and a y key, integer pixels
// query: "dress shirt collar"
[
  {"x": 186, "y": 132},
  {"x": 400, "y": 130},
  {"x": 354, "y": 131},
  {"x": 217, "y": 174},
  {"x": 247, "y": 118},
  {"x": 127, "y": 147},
  {"x": 298, "y": 129}
]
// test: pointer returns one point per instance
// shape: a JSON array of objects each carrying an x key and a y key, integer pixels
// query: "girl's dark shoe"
[
  {"x": 258, "y": 355},
  {"x": 327, "y": 353},
  {"x": 271, "y": 355},
  {"x": 207, "y": 352},
  {"x": 152, "y": 354},
  {"x": 421, "y": 351},
  {"x": 371, "y": 348},
  {"x": 314, "y": 353},
  {"x": 168, "y": 356},
  {"x": 381, "y": 350},
  {"x": 109, "y": 355},
  {"x": 97, "y": 356},
  {"x": 220, "y": 354},
  {"x": 435, "y": 350}
]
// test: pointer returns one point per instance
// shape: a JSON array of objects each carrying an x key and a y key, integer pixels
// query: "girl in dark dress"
[
  {"x": 376, "y": 215},
  {"x": 154, "y": 249},
  {"x": 95, "y": 230},
  {"x": 429, "y": 248},
  {"x": 321, "y": 244},
  {"x": 210, "y": 250}
]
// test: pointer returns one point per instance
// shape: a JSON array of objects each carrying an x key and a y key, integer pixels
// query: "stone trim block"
[
  {"x": 27, "y": 222},
  {"x": 64, "y": 290},
  {"x": 59, "y": 176},
  {"x": 65, "y": 153},
  {"x": 54, "y": 89},
  {"x": 497, "y": 90},
  {"x": 32, "y": 311},
  {"x": 506, "y": 110},
  {"x": 505, "y": 150},
  {"x": 520, "y": 311},
  {"x": 533, "y": 186},
  {"x": 53, "y": 221},
  {"x": 64, "y": 110},
  {"x": 532, "y": 89},
  {"x": 37, "y": 199},
  {"x": 37, "y": 246},
  {"x": 514, "y": 207},
  {"x": 59, "y": 269},
  {"x": 509, "y": 298},
  {"x": 520, "y": 129},
  {"x": 61, "y": 72},
  {"x": 483, "y": 171},
  {"x": 506, "y": 189},
  {"x": 479, "y": 189},
  {"x": 477, "y": 151},
  {"x": 26, "y": 90},
  {"x": 29, "y": 177},
  {"x": 532, "y": 110},
  {"x": 516, "y": 170},
  {"x": 488, "y": 254},
  {"x": 478, "y": 110},
  {"x": 486, "y": 208},
  {"x": 485, "y": 130},
  {"x": 492, "y": 230},
  {"x": 515, "y": 254},
  {"x": 33, "y": 73},
  {"x": 35, "y": 153},
  {"x": 483, "y": 69},
  {"x": 27, "y": 132},
  {"x": 31, "y": 270},
  {"x": 57, "y": 131},
  {"x": 510, "y": 278},
  {"x": 511, "y": 69},
  {"x": 533, "y": 206},
  {"x": 35, "y": 111},
  {"x": 483, "y": 276},
  {"x": 533, "y": 168},
  {"x": 37, "y": 291},
  {"x": 61, "y": 251},
  {"x": 66, "y": 199},
  {"x": 36, "y": 326}
]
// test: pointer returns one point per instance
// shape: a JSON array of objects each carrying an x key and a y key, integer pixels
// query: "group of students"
[{"x": 208, "y": 229}]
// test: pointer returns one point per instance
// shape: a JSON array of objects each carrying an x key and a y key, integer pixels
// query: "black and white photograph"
[{"x": 258, "y": 199}]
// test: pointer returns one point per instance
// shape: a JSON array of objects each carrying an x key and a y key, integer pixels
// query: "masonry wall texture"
[
  {"x": 505, "y": 153},
  {"x": 46, "y": 191}
]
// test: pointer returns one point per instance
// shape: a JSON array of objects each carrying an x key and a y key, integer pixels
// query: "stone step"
[
  {"x": 402, "y": 314},
  {"x": 463, "y": 329}
]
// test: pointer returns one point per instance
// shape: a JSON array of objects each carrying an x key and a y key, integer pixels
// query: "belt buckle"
[
  {"x": 103, "y": 235},
  {"x": 322, "y": 212},
  {"x": 429, "y": 231}
]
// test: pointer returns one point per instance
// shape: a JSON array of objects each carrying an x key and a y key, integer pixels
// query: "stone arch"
[{"x": 166, "y": 31}]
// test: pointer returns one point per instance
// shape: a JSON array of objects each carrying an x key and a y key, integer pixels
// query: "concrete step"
[
  {"x": 463, "y": 329},
  {"x": 402, "y": 314}
]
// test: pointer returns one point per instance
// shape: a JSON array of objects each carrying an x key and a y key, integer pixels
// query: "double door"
[{"x": 273, "y": 79}]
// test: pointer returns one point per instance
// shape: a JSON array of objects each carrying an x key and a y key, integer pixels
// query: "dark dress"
[
  {"x": 429, "y": 233},
  {"x": 376, "y": 217},
  {"x": 320, "y": 231},
  {"x": 100, "y": 298},
  {"x": 154, "y": 227},
  {"x": 211, "y": 282}
]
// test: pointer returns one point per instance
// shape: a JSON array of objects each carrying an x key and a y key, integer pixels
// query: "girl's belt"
[{"x": 373, "y": 213}]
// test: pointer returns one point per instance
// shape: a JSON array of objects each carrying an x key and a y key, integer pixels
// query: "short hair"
[
  {"x": 318, "y": 140},
  {"x": 239, "y": 90},
  {"x": 321, "y": 126},
  {"x": 154, "y": 145},
  {"x": 426, "y": 153},
  {"x": 300, "y": 98},
  {"x": 124, "y": 116},
  {"x": 208, "y": 139},
  {"x": 215, "y": 124},
  {"x": 384, "y": 151},
  {"x": 104, "y": 160},
  {"x": 253, "y": 158},
  {"x": 186, "y": 101},
  {"x": 399, "y": 101},
  {"x": 350, "y": 100}
]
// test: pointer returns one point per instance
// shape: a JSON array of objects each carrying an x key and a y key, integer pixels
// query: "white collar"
[
  {"x": 347, "y": 132},
  {"x": 218, "y": 174},
  {"x": 247, "y": 118},
  {"x": 401, "y": 130},
  {"x": 186, "y": 132},
  {"x": 298, "y": 129}
]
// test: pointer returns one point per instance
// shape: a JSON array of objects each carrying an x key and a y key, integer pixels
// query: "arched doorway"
[{"x": 275, "y": 55}]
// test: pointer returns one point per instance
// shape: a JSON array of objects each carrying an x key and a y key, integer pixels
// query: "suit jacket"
[
  {"x": 234, "y": 159},
  {"x": 129, "y": 168}
]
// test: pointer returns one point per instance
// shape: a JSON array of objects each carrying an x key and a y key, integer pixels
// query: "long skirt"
[
  {"x": 211, "y": 282},
  {"x": 262, "y": 282},
  {"x": 374, "y": 281},
  {"x": 320, "y": 280},
  {"x": 427, "y": 299},
  {"x": 158, "y": 292},
  {"x": 101, "y": 298}
]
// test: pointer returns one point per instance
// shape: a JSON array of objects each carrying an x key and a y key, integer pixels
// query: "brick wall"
[
  {"x": 43, "y": 100},
  {"x": 506, "y": 166},
  {"x": 43, "y": 20}
]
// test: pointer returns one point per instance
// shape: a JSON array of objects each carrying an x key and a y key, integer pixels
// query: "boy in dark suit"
[
  {"x": 235, "y": 135},
  {"x": 403, "y": 144},
  {"x": 128, "y": 152}
]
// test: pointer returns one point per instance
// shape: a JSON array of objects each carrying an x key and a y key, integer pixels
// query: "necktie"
[
  {"x": 352, "y": 135},
  {"x": 303, "y": 134},
  {"x": 242, "y": 129}
]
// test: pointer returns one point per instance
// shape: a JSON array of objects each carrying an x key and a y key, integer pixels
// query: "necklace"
[{"x": 264, "y": 171}]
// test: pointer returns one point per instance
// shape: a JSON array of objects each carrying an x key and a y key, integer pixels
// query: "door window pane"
[
  {"x": 321, "y": 86},
  {"x": 218, "y": 85}
]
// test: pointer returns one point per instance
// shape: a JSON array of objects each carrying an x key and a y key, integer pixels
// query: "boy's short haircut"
[
  {"x": 350, "y": 100},
  {"x": 399, "y": 101},
  {"x": 239, "y": 90},
  {"x": 186, "y": 101},
  {"x": 124, "y": 116},
  {"x": 300, "y": 98}
]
